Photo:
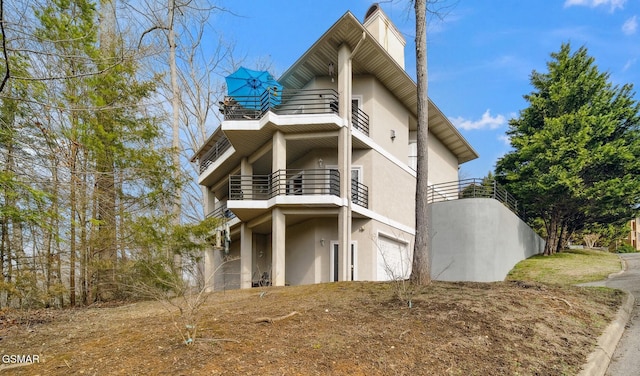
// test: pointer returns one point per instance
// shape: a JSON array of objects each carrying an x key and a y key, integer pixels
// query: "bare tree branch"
[
  {"x": 149, "y": 31},
  {"x": 7, "y": 72},
  {"x": 66, "y": 77}
]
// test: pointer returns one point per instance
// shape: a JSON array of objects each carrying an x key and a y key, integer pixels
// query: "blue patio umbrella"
[{"x": 253, "y": 89}]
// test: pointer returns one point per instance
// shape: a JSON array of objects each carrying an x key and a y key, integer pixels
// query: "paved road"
[{"x": 626, "y": 359}]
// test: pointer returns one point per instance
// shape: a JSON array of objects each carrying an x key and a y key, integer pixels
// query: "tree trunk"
[
  {"x": 9, "y": 221},
  {"x": 84, "y": 242},
  {"x": 105, "y": 242},
  {"x": 54, "y": 228},
  {"x": 3, "y": 250},
  {"x": 175, "y": 107},
  {"x": 564, "y": 237},
  {"x": 421, "y": 268},
  {"x": 72, "y": 224},
  {"x": 553, "y": 225},
  {"x": 105, "y": 248}
]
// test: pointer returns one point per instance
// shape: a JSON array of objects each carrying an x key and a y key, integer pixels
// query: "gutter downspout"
[{"x": 349, "y": 135}]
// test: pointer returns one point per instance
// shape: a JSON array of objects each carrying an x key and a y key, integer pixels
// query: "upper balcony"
[
  {"x": 289, "y": 102},
  {"x": 246, "y": 129}
]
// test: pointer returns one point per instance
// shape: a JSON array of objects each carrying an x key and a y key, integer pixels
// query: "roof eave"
[{"x": 371, "y": 59}]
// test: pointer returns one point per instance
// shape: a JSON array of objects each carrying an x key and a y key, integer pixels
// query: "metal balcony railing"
[
  {"x": 472, "y": 188},
  {"x": 287, "y": 102},
  {"x": 221, "y": 211},
  {"x": 284, "y": 182},
  {"x": 296, "y": 183},
  {"x": 359, "y": 193},
  {"x": 214, "y": 153},
  {"x": 360, "y": 120}
]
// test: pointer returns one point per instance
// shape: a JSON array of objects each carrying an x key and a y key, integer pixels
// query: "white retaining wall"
[{"x": 478, "y": 239}]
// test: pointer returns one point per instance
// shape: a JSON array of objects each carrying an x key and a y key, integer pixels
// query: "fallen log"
[{"x": 274, "y": 319}]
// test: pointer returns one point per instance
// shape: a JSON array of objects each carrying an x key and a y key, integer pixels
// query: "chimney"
[{"x": 385, "y": 32}]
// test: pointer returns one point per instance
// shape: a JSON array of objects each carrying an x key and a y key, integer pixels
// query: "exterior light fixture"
[
  {"x": 393, "y": 134},
  {"x": 320, "y": 163},
  {"x": 322, "y": 242},
  {"x": 331, "y": 71}
]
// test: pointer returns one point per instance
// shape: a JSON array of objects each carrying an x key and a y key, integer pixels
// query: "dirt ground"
[{"x": 346, "y": 328}]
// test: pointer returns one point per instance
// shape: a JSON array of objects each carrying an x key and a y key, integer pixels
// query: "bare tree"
[
  {"x": 421, "y": 268},
  {"x": 190, "y": 89}
]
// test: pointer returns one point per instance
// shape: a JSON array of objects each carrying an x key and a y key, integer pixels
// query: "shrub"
[{"x": 625, "y": 248}]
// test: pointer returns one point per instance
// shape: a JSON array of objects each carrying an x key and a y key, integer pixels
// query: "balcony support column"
[
  {"x": 278, "y": 235},
  {"x": 344, "y": 159},
  {"x": 209, "y": 264},
  {"x": 279, "y": 161},
  {"x": 246, "y": 255},
  {"x": 278, "y": 225},
  {"x": 210, "y": 201},
  {"x": 246, "y": 170},
  {"x": 209, "y": 268},
  {"x": 245, "y": 167}
]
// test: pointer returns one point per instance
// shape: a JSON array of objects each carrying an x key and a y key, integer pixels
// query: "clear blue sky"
[{"x": 480, "y": 54}]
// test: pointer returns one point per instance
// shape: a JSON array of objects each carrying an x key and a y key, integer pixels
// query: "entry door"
[{"x": 335, "y": 261}]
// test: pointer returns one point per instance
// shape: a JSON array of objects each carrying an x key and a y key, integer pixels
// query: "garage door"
[{"x": 393, "y": 259}]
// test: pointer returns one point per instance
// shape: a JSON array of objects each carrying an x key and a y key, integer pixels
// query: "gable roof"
[{"x": 372, "y": 59}]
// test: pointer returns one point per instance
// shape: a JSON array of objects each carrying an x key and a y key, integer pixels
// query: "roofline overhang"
[{"x": 348, "y": 29}]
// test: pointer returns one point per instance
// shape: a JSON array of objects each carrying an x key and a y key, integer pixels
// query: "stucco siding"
[
  {"x": 392, "y": 193},
  {"x": 363, "y": 88},
  {"x": 388, "y": 114},
  {"x": 478, "y": 240},
  {"x": 361, "y": 234},
  {"x": 312, "y": 158},
  {"x": 443, "y": 164},
  {"x": 300, "y": 254}
]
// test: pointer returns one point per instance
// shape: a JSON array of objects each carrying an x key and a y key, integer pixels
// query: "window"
[
  {"x": 355, "y": 104},
  {"x": 413, "y": 154},
  {"x": 356, "y": 101},
  {"x": 356, "y": 180}
]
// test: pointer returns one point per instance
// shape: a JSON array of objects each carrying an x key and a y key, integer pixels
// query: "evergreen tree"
[
  {"x": 113, "y": 162},
  {"x": 575, "y": 148}
]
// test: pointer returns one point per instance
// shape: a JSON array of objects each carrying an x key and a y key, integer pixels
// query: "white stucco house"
[{"x": 320, "y": 187}]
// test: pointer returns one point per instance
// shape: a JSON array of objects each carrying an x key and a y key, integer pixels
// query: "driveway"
[{"x": 626, "y": 358}]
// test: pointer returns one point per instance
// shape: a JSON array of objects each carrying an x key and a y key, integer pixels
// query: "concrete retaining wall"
[{"x": 478, "y": 239}]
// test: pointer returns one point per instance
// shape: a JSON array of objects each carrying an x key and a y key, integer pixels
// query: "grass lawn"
[{"x": 568, "y": 267}]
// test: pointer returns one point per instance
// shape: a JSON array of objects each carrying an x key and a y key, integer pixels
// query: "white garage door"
[{"x": 394, "y": 259}]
